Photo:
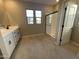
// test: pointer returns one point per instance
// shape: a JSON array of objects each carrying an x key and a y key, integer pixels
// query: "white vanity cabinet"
[
  {"x": 9, "y": 43},
  {"x": 10, "y": 39},
  {"x": 16, "y": 35}
]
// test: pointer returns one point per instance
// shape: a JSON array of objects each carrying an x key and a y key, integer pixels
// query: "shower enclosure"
[{"x": 51, "y": 23}]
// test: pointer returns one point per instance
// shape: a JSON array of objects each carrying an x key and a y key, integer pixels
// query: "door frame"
[
  {"x": 60, "y": 22},
  {"x": 63, "y": 26},
  {"x": 63, "y": 20}
]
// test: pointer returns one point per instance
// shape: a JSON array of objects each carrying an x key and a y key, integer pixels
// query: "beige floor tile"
[{"x": 41, "y": 47}]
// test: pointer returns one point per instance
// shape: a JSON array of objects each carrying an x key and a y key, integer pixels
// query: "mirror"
[
  {"x": 1, "y": 12},
  {"x": 3, "y": 16}
]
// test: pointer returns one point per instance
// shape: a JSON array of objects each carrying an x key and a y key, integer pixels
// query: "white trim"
[{"x": 33, "y": 35}]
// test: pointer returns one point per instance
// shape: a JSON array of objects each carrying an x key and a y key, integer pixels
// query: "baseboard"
[
  {"x": 75, "y": 43},
  {"x": 33, "y": 35}
]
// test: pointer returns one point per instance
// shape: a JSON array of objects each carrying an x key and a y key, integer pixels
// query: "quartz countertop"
[{"x": 5, "y": 31}]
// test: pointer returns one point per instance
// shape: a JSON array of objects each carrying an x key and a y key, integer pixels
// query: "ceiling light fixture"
[{"x": 57, "y": 0}]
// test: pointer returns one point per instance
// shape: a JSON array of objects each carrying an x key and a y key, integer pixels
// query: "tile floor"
[{"x": 42, "y": 47}]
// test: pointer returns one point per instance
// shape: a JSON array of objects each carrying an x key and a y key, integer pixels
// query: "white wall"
[{"x": 15, "y": 13}]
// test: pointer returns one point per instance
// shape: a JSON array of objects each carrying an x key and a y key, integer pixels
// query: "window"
[
  {"x": 30, "y": 16},
  {"x": 38, "y": 15},
  {"x": 33, "y": 15},
  {"x": 30, "y": 20}
]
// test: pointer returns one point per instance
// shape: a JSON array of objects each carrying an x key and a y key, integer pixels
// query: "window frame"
[
  {"x": 34, "y": 17},
  {"x": 38, "y": 17},
  {"x": 30, "y": 20},
  {"x": 30, "y": 17}
]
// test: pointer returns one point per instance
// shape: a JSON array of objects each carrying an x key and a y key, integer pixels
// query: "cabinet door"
[
  {"x": 6, "y": 43},
  {"x": 16, "y": 35},
  {"x": 9, "y": 43}
]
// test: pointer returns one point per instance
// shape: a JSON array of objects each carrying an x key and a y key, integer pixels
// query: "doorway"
[
  {"x": 68, "y": 22},
  {"x": 75, "y": 32}
]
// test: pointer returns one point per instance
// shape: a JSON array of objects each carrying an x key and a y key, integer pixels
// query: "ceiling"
[{"x": 48, "y": 2}]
